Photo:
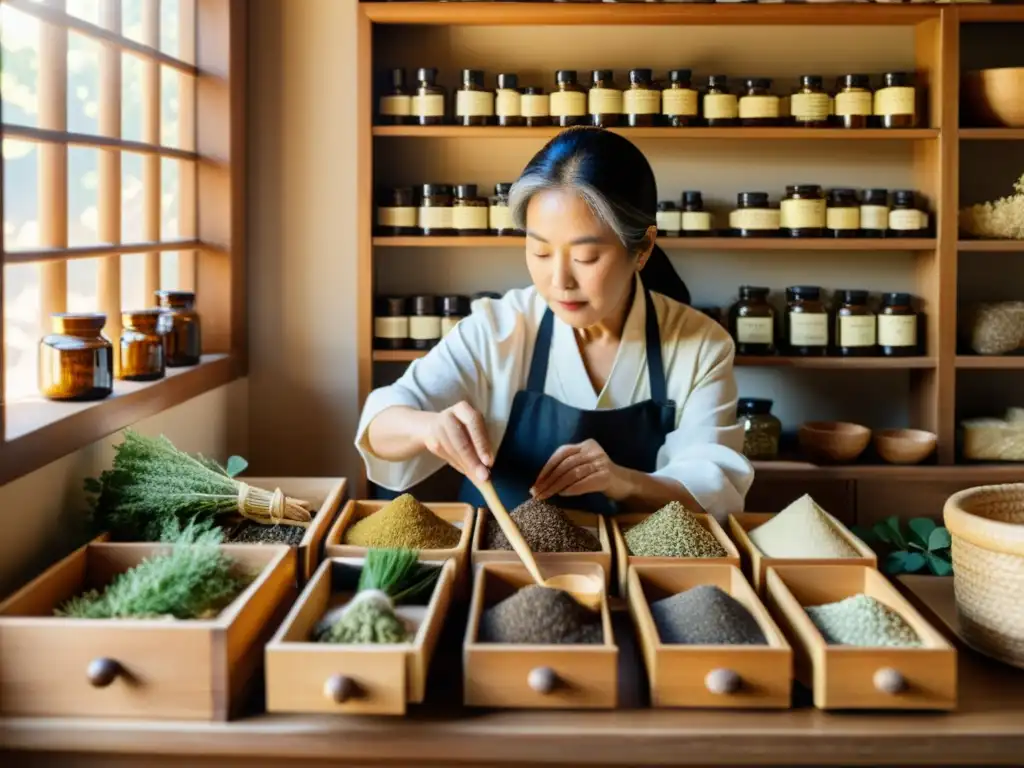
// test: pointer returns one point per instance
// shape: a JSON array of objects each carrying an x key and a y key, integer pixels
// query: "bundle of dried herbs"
[{"x": 1001, "y": 219}]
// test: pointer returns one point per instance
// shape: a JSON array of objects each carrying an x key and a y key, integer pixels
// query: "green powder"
[
  {"x": 545, "y": 529},
  {"x": 863, "y": 621},
  {"x": 672, "y": 531},
  {"x": 801, "y": 531},
  {"x": 364, "y": 620},
  {"x": 403, "y": 523}
]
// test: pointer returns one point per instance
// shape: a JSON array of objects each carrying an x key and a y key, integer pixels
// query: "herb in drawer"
[
  {"x": 404, "y": 522},
  {"x": 537, "y": 615}
]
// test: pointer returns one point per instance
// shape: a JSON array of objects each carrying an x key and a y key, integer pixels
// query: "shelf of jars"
[
  {"x": 685, "y": 243},
  {"x": 781, "y": 133}
]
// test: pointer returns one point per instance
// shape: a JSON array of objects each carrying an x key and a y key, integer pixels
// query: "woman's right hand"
[{"x": 458, "y": 436}]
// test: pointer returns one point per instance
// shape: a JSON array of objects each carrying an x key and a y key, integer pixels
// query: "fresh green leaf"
[
  {"x": 893, "y": 524},
  {"x": 236, "y": 466},
  {"x": 895, "y": 563},
  {"x": 920, "y": 529},
  {"x": 864, "y": 534},
  {"x": 915, "y": 545},
  {"x": 938, "y": 565},
  {"x": 92, "y": 485},
  {"x": 882, "y": 532},
  {"x": 914, "y": 562},
  {"x": 939, "y": 539}
]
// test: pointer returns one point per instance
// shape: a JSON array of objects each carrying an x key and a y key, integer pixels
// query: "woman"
[{"x": 592, "y": 385}]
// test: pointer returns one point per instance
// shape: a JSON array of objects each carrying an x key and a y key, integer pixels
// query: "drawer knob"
[
  {"x": 722, "y": 681},
  {"x": 543, "y": 680},
  {"x": 102, "y": 672},
  {"x": 889, "y": 680},
  {"x": 339, "y": 688}
]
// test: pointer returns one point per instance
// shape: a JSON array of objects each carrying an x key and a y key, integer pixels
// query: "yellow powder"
[{"x": 404, "y": 523}]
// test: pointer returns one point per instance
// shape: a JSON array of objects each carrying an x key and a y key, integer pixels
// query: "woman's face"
[{"x": 577, "y": 263}]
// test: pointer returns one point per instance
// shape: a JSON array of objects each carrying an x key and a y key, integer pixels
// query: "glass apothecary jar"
[
  {"x": 895, "y": 101},
  {"x": 842, "y": 217},
  {"x": 806, "y": 321},
  {"x": 508, "y": 100},
  {"x": 669, "y": 219},
  {"x": 390, "y": 322},
  {"x": 641, "y": 102},
  {"x": 604, "y": 99},
  {"x": 803, "y": 211},
  {"x": 809, "y": 105},
  {"x": 427, "y": 105},
  {"x": 854, "y": 102},
  {"x": 696, "y": 222},
  {"x": 76, "y": 361},
  {"x": 395, "y": 105},
  {"x": 752, "y": 322},
  {"x": 761, "y": 430},
  {"x": 898, "y": 326},
  {"x": 474, "y": 104},
  {"x": 179, "y": 324},
  {"x": 754, "y": 217},
  {"x": 758, "y": 105},
  {"x": 855, "y": 327},
  {"x": 721, "y": 107},
  {"x": 568, "y": 102},
  {"x": 396, "y": 212},
  {"x": 535, "y": 106},
  {"x": 679, "y": 99},
  {"x": 470, "y": 211},
  {"x": 142, "y": 346},
  {"x": 434, "y": 216},
  {"x": 499, "y": 215}
]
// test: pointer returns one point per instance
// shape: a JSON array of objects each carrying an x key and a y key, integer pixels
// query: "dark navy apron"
[{"x": 539, "y": 425}]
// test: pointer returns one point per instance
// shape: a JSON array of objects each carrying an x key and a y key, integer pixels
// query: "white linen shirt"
[{"x": 485, "y": 360}]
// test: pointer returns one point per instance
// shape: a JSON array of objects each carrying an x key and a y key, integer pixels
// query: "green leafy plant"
[{"x": 924, "y": 546}]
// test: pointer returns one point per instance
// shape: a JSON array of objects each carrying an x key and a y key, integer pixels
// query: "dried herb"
[
  {"x": 861, "y": 620},
  {"x": 1002, "y": 219},
  {"x": 405, "y": 523}
]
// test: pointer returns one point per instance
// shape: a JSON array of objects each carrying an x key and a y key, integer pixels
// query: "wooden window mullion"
[
  {"x": 109, "y": 202},
  {"x": 187, "y": 141},
  {"x": 151, "y": 182}
]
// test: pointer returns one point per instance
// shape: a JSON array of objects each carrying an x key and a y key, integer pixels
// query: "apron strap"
[{"x": 541, "y": 350}]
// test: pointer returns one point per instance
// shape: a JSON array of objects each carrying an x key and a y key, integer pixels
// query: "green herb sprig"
[{"x": 925, "y": 546}]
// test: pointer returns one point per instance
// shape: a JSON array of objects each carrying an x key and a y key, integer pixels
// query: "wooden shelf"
[
  {"x": 672, "y": 134},
  {"x": 991, "y": 13},
  {"x": 991, "y": 246},
  {"x": 993, "y": 134},
  {"x": 955, "y": 473},
  {"x": 396, "y": 355},
  {"x": 685, "y": 243},
  {"x": 990, "y": 362}
]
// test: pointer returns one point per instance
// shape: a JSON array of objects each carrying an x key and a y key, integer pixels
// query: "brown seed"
[
  {"x": 545, "y": 528},
  {"x": 539, "y": 615}
]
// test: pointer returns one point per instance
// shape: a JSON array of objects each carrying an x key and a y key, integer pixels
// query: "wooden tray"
[
  {"x": 622, "y": 523},
  {"x": 716, "y": 676},
  {"x": 306, "y": 676},
  {"x": 155, "y": 668},
  {"x": 546, "y": 561},
  {"x": 535, "y": 676},
  {"x": 845, "y": 677},
  {"x": 756, "y": 564}
]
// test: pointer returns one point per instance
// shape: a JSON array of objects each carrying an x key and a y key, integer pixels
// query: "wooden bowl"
[
  {"x": 833, "y": 441},
  {"x": 995, "y": 97},
  {"x": 904, "y": 446}
]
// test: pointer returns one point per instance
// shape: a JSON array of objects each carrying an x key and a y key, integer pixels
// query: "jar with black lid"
[
  {"x": 752, "y": 322},
  {"x": 568, "y": 104},
  {"x": 806, "y": 321},
  {"x": 428, "y": 100},
  {"x": 874, "y": 213},
  {"x": 855, "y": 327},
  {"x": 470, "y": 211},
  {"x": 508, "y": 101},
  {"x": 695, "y": 221},
  {"x": 842, "y": 218},
  {"x": 181, "y": 328},
  {"x": 499, "y": 215},
  {"x": 486, "y": 295},
  {"x": 897, "y": 326},
  {"x": 390, "y": 322},
  {"x": 679, "y": 100},
  {"x": 424, "y": 322},
  {"x": 604, "y": 99},
  {"x": 854, "y": 101},
  {"x": 754, "y": 216},
  {"x": 434, "y": 216},
  {"x": 396, "y": 212},
  {"x": 142, "y": 346},
  {"x": 474, "y": 104},
  {"x": 761, "y": 430},
  {"x": 721, "y": 107},
  {"x": 905, "y": 219},
  {"x": 670, "y": 219},
  {"x": 536, "y": 107},
  {"x": 895, "y": 102},
  {"x": 76, "y": 361},
  {"x": 641, "y": 101},
  {"x": 809, "y": 104},
  {"x": 453, "y": 309},
  {"x": 803, "y": 211},
  {"x": 395, "y": 106},
  {"x": 758, "y": 105}
]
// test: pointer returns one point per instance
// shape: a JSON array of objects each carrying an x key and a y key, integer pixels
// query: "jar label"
[
  {"x": 605, "y": 101},
  {"x": 898, "y": 100},
  {"x": 669, "y": 221},
  {"x": 755, "y": 330},
  {"x": 534, "y": 105},
  {"x": 474, "y": 103},
  {"x": 697, "y": 221},
  {"x": 720, "y": 106},
  {"x": 396, "y": 217},
  {"x": 853, "y": 103},
  {"x": 679, "y": 101},
  {"x": 641, "y": 101},
  {"x": 803, "y": 214},
  {"x": 874, "y": 216},
  {"x": 391, "y": 327},
  {"x": 897, "y": 330},
  {"x": 429, "y": 105},
  {"x": 809, "y": 107},
  {"x": 856, "y": 331},
  {"x": 434, "y": 218},
  {"x": 398, "y": 106},
  {"x": 842, "y": 218},
  {"x": 754, "y": 218},
  {"x": 905, "y": 219},
  {"x": 568, "y": 104},
  {"x": 469, "y": 217},
  {"x": 448, "y": 323},
  {"x": 752, "y": 107},
  {"x": 500, "y": 217},
  {"x": 808, "y": 329},
  {"x": 428, "y": 327},
  {"x": 508, "y": 103}
]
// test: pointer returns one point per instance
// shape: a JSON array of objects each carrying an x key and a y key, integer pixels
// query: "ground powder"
[
  {"x": 539, "y": 615},
  {"x": 706, "y": 615},
  {"x": 365, "y": 621},
  {"x": 545, "y": 528},
  {"x": 802, "y": 530},
  {"x": 672, "y": 531},
  {"x": 864, "y": 621},
  {"x": 403, "y": 523}
]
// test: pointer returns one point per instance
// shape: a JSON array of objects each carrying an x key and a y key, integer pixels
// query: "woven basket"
[{"x": 987, "y": 528}]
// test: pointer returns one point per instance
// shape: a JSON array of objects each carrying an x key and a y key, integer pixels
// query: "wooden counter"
[{"x": 988, "y": 728}]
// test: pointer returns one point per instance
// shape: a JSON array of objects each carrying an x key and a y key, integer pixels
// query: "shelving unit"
[{"x": 683, "y": 243}]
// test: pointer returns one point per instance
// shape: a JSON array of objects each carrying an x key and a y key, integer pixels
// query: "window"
[{"x": 122, "y": 175}]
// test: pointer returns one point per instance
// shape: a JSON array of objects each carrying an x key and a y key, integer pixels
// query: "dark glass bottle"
[
  {"x": 803, "y": 211},
  {"x": 758, "y": 105},
  {"x": 142, "y": 346},
  {"x": 854, "y": 102},
  {"x": 390, "y": 323},
  {"x": 754, "y": 217},
  {"x": 470, "y": 212},
  {"x": 895, "y": 102},
  {"x": 721, "y": 107},
  {"x": 395, "y": 106},
  {"x": 424, "y": 322},
  {"x": 898, "y": 326},
  {"x": 396, "y": 212},
  {"x": 429, "y": 99},
  {"x": 761, "y": 430},
  {"x": 696, "y": 222},
  {"x": 670, "y": 219},
  {"x": 76, "y": 361},
  {"x": 434, "y": 216},
  {"x": 641, "y": 101},
  {"x": 604, "y": 99},
  {"x": 499, "y": 215},
  {"x": 180, "y": 326},
  {"x": 905, "y": 219},
  {"x": 453, "y": 309},
  {"x": 752, "y": 322},
  {"x": 806, "y": 321},
  {"x": 842, "y": 219},
  {"x": 855, "y": 325},
  {"x": 474, "y": 104},
  {"x": 508, "y": 101},
  {"x": 568, "y": 102},
  {"x": 536, "y": 107},
  {"x": 809, "y": 104},
  {"x": 680, "y": 100},
  {"x": 874, "y": 213}
]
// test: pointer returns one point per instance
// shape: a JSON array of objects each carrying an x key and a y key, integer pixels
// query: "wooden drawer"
[
  {"x": 198, "y": 670},
  {"x": 546, "y": 561},
  {"x": 509, "y": 675},
  {"x": 846, "y": 677},
  {"x": 756, "y": 564},
  {"x": 752, "y": 676},
  {"x": 305, "y": 676},
  {"x": 622, "y": 523}
]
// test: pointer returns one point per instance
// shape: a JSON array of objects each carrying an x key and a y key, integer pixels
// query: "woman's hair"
[{"x": 614, "y": 178}]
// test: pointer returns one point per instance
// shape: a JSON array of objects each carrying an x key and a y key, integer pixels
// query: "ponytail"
[{"x": 659, "y": 276}]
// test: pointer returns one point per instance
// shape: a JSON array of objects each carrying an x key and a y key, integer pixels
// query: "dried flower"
[{"x": 1002, "y": 219}]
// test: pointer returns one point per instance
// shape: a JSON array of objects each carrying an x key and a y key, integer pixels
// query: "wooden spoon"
[{"x": 586, "y": 590}]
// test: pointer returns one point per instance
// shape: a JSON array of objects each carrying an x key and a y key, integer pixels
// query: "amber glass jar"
[
  {"x": 803, "y": 211},
  {"x": 641, "y": 101},
  {"x": 752, "y": 322},
  {"x": 754, "y": 217},
  {"x": 806, "y": 321},
  {"x": 434, "y": 216},
  {"x": 670, "y": 219},
  {"x": 679, "y": 100},
  {"x": 695, "y": 221},
  {"x": 179, "y": 324},
  {"x": 76, "y": 361},
  {"x": 842, "y": 218},
  {"x": 142, "y": 346},
  {"x": 453, "y": 309},
  {"x": 855, "y": 325},
  {"x": 390, "y": 322},
  {"x": 808, "y": 106},
  {"x": 474, "y": 104},
  {"x": 897, "y": 326},
  {"x": 508, "y": 101},
  {"x": 396, "y": 212},
  {"x": 604, "y": 99},
  {"x": 761, "y": 430},
  {"x": 721, "y": 108},
  {"x": 758, "y": 105},
  {"x": 905, "y": 219},
  {"x": 895, "y": 102},
  {"x": 429, "y": 98},
  {"x": 854, "y": 102},
  {"x": 470, "y": 211},
  {"x": 568, "y": 103},
  {"x": 395, "y": 106},
  {"x": 425, "y": 322},
  {"x": 499, "y": 215},
  {"x": 874, "y": 213},
  {"x": 536, "y": 107}
]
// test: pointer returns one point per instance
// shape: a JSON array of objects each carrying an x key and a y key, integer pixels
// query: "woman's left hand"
[{"x": 581, "y": 468}]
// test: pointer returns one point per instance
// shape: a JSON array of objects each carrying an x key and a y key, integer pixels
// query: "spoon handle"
[{"x": 511, "y": 530}]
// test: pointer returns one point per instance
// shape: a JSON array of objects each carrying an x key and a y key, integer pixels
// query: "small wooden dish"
[
  {"x": 719, "y": 676},
  {"x": 995, "y": 97},
  {"x": 904, "y": 446},
  {"x": 547, "y": 561},
  {"x": 623, "y": 560},
  {"x": 199, "y": 669},
  {"x": 849, "y": 677},
  {"x": 307, "y": 676},
  {"x": 535, "y": 676},
  {"x": 756, "y": 563},
  {"x": 834, "y": 442}
]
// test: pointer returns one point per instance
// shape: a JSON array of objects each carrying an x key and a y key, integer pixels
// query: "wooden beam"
[{"x": 44, "y": 136}]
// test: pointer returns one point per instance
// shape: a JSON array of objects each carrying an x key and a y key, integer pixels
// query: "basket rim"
[{"x": 994, "y": 535}]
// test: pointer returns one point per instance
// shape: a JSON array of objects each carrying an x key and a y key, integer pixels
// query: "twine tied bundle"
[{"x": 269, "y": 508}]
